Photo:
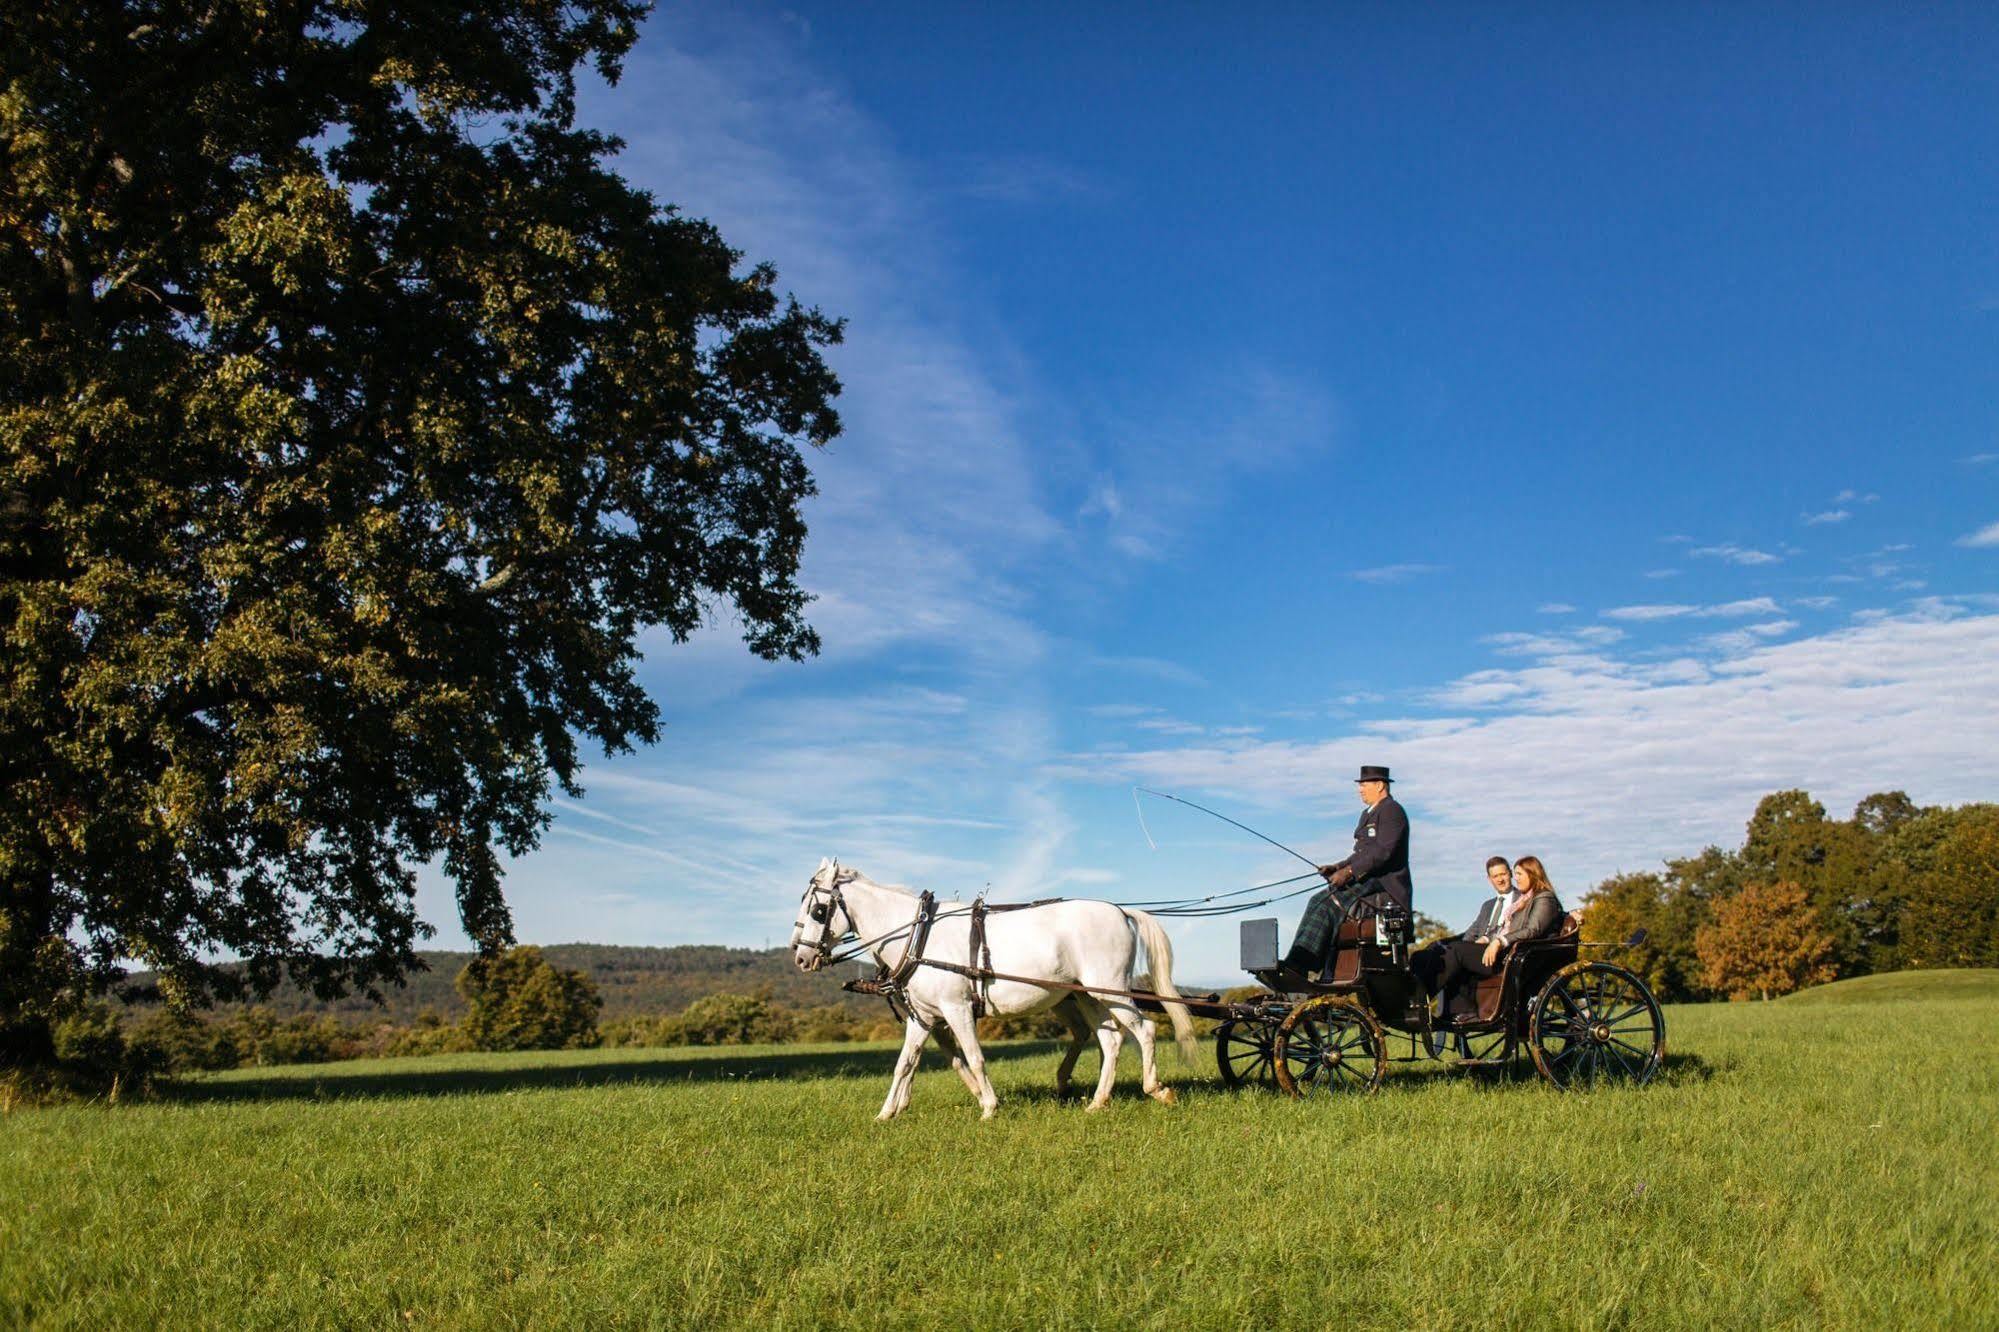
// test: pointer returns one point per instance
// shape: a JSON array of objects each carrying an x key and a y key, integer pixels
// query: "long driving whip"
[{"x": 1212, "y": 814}]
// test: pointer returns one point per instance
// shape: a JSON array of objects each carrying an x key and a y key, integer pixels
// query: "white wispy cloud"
[
  {"x": 1157, "y": 668},
  {"x": 1172, "y": 464},
  {"x": 1555, "y": 608},
  {"x": 933, "y": 519},
  {"x": 1984, "y": 536},
  {"x": 1394, "y": 573},
  {"x": 1829, "y": 516},
  {"x": 1582, "y": 639},
  {"x": 1740, "y": 640},
  {"x": 1025, "y": 179},
  {"x": 1979, "y": 459},
  {"x": 1676, "y": 611},
  {"x": 1735, "y": 554},
  {"x": 1600, "y": 764}
]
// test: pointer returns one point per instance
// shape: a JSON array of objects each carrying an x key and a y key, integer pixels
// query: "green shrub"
[
  {"x": 518, "y": 1000},
  {"x": 735, "y": 1019},
  {"x": 92, "y": 1054}
]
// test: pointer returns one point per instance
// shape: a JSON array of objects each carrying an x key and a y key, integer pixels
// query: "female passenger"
[{"x": 1534, "y": 913}]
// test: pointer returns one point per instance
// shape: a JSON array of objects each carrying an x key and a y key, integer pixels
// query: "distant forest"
[{"x": 633, "y": 981}]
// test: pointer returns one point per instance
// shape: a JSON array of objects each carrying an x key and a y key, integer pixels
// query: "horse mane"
[{"x": 849, "y": 873}]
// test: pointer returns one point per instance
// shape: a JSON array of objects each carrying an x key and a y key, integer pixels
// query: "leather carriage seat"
[
  {"x": 1347, "y": 949},
  {"x": 1491, "y": 988}
]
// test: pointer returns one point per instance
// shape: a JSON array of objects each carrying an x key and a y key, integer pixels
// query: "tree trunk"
[{"x": 37, "y": 968}]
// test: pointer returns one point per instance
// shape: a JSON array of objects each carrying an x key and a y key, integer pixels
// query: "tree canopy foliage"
[
  {"x": 355, "y": 420},
  {"x": 1897, "y": 885},
  {"x": 1764, "y": 942}
]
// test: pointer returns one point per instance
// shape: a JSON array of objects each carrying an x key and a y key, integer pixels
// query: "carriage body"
[{"x": 1580, "y": 1020}]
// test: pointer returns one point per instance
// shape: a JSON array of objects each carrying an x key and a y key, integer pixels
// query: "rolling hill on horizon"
[{"x": 633, "y": 980}]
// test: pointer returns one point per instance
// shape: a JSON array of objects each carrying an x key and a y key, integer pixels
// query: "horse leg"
[
  {"x": 1079, "y": 1037},
  {"x": 913, "y": 1035},
  {"x": 958, "y": 1064},
  {"x": 1110, "y": 1039},
  {"x": 966, "y": 1029},
  {"x": 1143, "y": 1031}
]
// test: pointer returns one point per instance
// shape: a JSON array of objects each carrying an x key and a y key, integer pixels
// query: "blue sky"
[{"x": 1593, "y": 418}]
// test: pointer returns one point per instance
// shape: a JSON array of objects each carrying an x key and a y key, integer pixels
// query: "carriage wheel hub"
[
  {"x": 1332, "y": 1057},
  {"x": 1600, "y": 1033}
]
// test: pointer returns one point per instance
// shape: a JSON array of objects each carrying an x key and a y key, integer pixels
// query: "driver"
[{"x": 1374, "y": 879}]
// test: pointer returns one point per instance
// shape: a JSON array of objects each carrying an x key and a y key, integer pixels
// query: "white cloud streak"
[
  {"x": 1983, "y": 537},
  {"x": 1724, "y": 610},
  {"x": 1600, "y": 765},
  {"x": 1735, "y": 554},
  {"x": 1394, "y": 573}
]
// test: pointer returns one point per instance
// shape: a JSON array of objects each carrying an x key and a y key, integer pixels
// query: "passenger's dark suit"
[
  {"x": 1380, "y": 865},
  {"x": 1464, "y": 959},
  {"x": 1427, "y": 962}
]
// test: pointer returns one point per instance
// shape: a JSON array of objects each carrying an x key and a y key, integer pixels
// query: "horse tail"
[{"x": 1159, "y": 958}]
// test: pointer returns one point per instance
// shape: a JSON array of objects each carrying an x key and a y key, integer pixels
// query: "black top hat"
[{"x": 1370, "y": 773}]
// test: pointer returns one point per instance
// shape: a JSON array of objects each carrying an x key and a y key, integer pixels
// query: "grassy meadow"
[{"x": 1825, "y": 1160}]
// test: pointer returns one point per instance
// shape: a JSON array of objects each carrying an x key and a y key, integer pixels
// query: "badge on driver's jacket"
[{"x": 1370, "y": 830}]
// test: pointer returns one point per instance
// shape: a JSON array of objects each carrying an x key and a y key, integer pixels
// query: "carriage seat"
[
  {"x": 1347, "y": 943},
  {"x": 1492, "y": 989}
]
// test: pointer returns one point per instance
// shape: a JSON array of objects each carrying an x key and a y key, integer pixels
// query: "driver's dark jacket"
[{"x": 1380, "y": 861}]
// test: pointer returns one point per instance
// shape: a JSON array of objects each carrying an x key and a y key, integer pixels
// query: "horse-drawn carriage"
[
  {"x": 941, "y": 966},
  {"x": 1580, "y": 1020}
]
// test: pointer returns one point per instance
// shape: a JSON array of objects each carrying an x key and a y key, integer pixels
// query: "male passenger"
[{"x": 1427, "y": 962}]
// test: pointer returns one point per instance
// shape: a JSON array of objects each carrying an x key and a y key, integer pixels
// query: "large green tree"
[
  {"x": 1952, "y": 914},
  {"x": 355, "y": 419}
]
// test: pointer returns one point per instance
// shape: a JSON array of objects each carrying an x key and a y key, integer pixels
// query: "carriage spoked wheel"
[
  {"x": 1595, "y": 1022},
  {"x": 1246, "y": 1052},
  {"x": 1487, "y": 1049},
  {"x": 1327, "y": 1045}
]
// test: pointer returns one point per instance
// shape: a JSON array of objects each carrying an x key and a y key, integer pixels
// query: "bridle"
[
  {"x": 832, "y": 946},
  {"x": 821, "y": 910}
]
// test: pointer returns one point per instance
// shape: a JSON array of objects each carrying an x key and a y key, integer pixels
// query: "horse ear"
[{"x": 823, "y": 862}]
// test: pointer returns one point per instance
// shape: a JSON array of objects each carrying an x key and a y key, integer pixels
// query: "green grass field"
[{"x": 1823, "y": 1160}]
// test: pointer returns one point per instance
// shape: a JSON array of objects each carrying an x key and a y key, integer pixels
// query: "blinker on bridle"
[{"x": 821, "y": 912}]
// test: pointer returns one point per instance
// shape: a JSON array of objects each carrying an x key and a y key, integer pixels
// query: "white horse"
[{"x": 1093, "y": 944}]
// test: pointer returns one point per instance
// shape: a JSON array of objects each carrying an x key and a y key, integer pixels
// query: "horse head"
[{"x": 823, "y": 919}]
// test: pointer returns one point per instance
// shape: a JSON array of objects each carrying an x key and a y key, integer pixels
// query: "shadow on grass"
[{"x": 424, "y": 1078}]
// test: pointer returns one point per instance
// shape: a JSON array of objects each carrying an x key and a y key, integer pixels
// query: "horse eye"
[{"x": 820, "y": 911}]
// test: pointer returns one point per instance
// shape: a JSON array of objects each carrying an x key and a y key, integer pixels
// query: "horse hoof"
[
  {"x": 1165, "y": 1096},
  {"x": 1094, "y": 1106},
  {"x": 989, "y": 1112}
]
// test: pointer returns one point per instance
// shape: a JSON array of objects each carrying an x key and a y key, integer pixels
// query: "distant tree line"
[
  {"x": 1808, "y": 899},
  {"x": 633, "y": 980}
]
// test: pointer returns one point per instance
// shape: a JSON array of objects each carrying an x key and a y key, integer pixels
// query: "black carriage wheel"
[
  {"x": 1327, "y": 1045},
  {"x": 1484, "y": 1047},
  {"x": 1245, "y": 1052},
  {"x": 1595, "y": 1022}
]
